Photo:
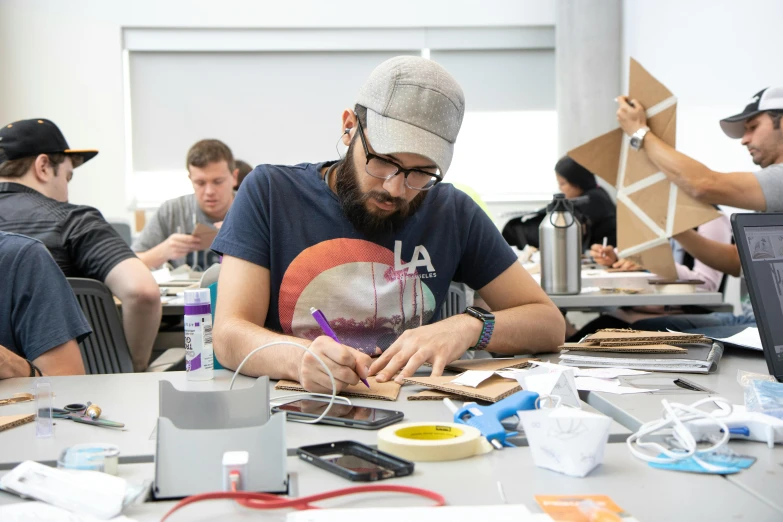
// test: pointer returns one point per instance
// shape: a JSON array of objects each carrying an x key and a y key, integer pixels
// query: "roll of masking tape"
[{"x": 423, "y": 442}]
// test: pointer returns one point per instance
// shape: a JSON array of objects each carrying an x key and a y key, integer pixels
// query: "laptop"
[{"x": 759, "y": 239}]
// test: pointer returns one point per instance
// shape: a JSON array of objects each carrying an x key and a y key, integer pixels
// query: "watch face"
[
  {"x": 635, "y": 142},
  {"x": 478, "y": 312}
]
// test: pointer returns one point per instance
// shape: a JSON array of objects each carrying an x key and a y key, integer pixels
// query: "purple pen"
[{"x": 320, "y": 318}]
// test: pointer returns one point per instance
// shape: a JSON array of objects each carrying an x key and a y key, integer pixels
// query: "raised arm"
[{"x": 735, "y": 189}]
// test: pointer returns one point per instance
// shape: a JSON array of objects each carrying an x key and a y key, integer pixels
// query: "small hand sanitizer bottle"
[{"x": 199, "y": 355}]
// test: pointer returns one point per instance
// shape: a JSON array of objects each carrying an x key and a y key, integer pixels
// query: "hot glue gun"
[{"x": 487, "y": 418}]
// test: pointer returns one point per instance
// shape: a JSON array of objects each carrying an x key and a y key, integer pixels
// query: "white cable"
[
  {"x": 277, "y": 402},
  {"x": 675, "y": 416},
  {"x": 306, "y": 349}
]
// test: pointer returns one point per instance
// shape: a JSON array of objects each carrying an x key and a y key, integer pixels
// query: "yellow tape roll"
[{"x": 424, "y": 442}]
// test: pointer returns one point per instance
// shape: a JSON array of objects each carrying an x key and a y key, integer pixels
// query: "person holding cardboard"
[
  {"x": 189, "y": 223},
  {"x": 758, "y": 128},
  {"x": 36, "y": 166},
  {"x": 373, "y": 240}
]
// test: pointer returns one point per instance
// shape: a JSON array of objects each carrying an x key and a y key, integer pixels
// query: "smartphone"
[
  {"x": 355, "y": 461},
  {"x": 340, "y": 414}
]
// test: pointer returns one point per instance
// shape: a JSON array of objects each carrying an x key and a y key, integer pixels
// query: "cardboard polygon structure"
[{"x": 650, "y": 208}]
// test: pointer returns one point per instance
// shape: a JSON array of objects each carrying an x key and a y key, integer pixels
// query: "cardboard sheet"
[
  {"x": 462, "y": 365},
  {"x": 386, "y": 391},
  {"x": 650, "y": 209},
  {"x": 491, "y": 390},
  {"x": 433, "y": 395},
  {"x": 12, "y": 421},
  {"x": 640, "y": 335},
  {"x": 647, "y": 348},
  {"x": 206, "y": 234}
]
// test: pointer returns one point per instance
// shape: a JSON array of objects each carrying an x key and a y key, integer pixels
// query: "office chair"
[
  {"x": 124, "y": 231},
  {"x": 210, "y": 276},
  {"x": 106, "y": 349},
  {"x": 455, "y": 302}
]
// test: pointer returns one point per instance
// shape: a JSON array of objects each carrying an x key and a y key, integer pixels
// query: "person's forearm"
[
  {"x": 690, "y": 175},
  {"x": 154, "y": 257},
  {"x": 11, "y": 365},
  {"x": 235, "y": 338},
  {"x": 720, "y": 256},
  {"x": 141, "y": 320},
  {"x": 531, "y": 328}
]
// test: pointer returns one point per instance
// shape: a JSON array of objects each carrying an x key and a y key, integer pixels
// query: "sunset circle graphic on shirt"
[{"x": 353, "y": 282}]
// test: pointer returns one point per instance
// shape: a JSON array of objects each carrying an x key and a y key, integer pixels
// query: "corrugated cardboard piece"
[
  {"x": 461, "y": 365},
  {"x": 491, "y": 390},
  {"x": 636, "y": 341},
  {"x": 433, "y": 395},
  {"x": 12, "y": 421},
  {"x": 383, "y": 391},
  {"x": 644, "y": 348},
  {"x": 650, "y": 209}
]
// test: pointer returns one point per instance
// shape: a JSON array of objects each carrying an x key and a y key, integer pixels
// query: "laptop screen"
[{"x": 764, "y": 265}]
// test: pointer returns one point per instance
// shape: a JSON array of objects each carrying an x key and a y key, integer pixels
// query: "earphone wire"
[{"x": 306, "y": 349}]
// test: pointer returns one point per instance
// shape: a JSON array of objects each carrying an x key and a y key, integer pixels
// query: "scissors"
[{"x": 84, "y": 413}]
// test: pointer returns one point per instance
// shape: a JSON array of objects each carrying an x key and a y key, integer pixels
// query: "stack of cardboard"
[{"x": 636, "y": 341}]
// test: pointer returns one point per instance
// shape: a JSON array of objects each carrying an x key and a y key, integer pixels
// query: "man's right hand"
[
  {"x": 180, "y": 245},
  {"x": 603, "y": 255},
  {"x": 347, "y": 365}
]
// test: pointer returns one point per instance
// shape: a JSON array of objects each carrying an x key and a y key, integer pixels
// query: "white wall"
[{"x": 63, "y": 60}]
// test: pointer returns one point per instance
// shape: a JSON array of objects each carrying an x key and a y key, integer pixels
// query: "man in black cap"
[{"x": 36, "y": 165}]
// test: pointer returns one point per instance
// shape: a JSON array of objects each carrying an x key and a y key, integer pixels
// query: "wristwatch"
[
  {"x": 637, "y": 139},
  {"x": 489, "y": 326}
]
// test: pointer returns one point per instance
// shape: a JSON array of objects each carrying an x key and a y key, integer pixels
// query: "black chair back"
[{"x": 106, "y": 349}]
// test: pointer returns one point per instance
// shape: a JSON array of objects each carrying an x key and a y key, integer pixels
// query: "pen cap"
[{"x": 198, "y": 296}]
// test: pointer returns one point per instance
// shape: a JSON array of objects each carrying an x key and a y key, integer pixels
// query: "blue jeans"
[{"x": 717, "y": 324}]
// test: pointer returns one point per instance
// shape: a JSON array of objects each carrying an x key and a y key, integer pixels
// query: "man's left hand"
[
  {"x": 630, "y": 115},
  {"x": 438, "y": 344}
]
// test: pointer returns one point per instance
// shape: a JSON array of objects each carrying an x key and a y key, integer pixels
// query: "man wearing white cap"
[
  {"x": 373, "y": 241},
  {"x": 758, "y": 128}
]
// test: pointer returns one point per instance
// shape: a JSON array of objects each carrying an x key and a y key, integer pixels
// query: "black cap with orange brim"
[{"x": 25, "y": 138}]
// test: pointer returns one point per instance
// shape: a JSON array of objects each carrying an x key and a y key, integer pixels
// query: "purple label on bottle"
[
  {"x": 193, "y": 364},
  {"x": 201, "y": 309}
]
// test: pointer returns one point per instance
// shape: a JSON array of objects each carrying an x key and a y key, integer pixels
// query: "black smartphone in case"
[
  {"x": 355, "y": 461},
  {"x": 340, "y": 414}
]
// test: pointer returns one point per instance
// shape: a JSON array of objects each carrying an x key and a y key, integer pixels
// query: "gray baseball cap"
[{"x": 413, "y": 105}]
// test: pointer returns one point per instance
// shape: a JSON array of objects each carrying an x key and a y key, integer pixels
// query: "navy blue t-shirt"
[
  {"x": 286, "y": 219},
  {"x": 38, "y": 310}
]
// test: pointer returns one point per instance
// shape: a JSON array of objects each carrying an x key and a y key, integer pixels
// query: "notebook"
[{"x": 699, "y": 358}]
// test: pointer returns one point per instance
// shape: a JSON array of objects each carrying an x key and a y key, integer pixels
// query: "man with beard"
[{"x": 373, "y": 241}]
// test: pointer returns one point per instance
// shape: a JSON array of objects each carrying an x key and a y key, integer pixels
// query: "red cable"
[{"x": 270, "y": 501}]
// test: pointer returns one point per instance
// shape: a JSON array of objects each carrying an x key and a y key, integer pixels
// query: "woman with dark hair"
[{"x": 598, "y": 214}]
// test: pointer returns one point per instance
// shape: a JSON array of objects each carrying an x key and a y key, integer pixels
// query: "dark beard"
[{"x": 353, "y": 201}]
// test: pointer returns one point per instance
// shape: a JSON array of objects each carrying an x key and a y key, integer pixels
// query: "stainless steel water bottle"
[{"x": 560, "y": 241}]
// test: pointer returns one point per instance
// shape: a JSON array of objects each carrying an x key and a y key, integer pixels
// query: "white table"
[
  {"x": 649, "y": 494},
  {"x": 598, "y": 300},
  {"x": 133, "y": 399}
]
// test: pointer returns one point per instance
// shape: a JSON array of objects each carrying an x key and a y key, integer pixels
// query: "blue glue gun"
[{"x": 487, "y": 418}]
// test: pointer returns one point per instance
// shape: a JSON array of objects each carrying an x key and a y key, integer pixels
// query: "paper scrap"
[
  {"x": 606, "y": 373},
  {"x": 162, "y": 276},
  {"x": 472, "y": 378},
  {"x": 747, "y": 338},
  {"x": 608, "y": 386}
]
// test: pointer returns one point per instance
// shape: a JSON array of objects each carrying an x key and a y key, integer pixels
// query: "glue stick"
[{"x": 198, "y": 335}]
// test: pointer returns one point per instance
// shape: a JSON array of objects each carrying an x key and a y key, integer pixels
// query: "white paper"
[
  {"x": 559, "y": 382},
  {"x": 748, "y": 338},
  {"x": 566, "y": 440},
  {"x": 29, "y": 511},
  {"x": 503, "y": 513},
  {"x": 608, "y": 386},
  {"x": 472, "y": 378},
  {"x": 606, "y": 373},
  {"x": 162, "y": 276}
]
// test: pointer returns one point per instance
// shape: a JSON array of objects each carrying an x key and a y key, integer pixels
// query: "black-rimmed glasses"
[{"x": 415, "y": 179}]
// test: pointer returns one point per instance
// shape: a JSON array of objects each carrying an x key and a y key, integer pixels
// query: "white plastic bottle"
[{"x": 198, "y": 335}]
